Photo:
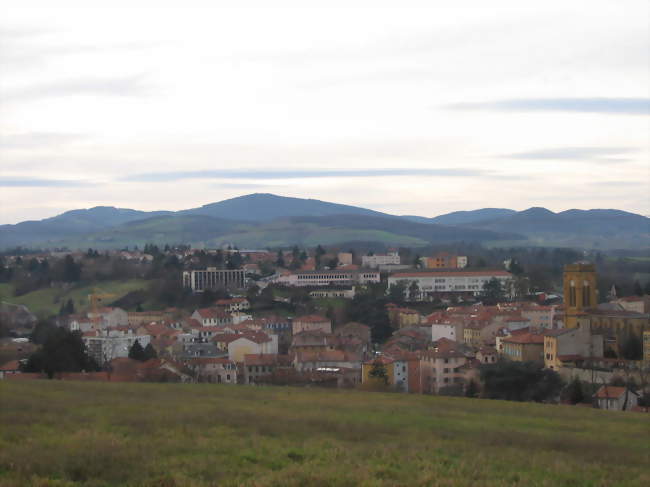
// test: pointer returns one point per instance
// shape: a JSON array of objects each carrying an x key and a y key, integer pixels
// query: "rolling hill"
[
  {"x": 265, "y": 220},
  {"x": 115, "y": 434}
]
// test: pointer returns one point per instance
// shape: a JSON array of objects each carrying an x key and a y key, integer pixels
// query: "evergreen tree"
[
  {"x": 149, "y": 352},
  {"x": 63, "y": 351},
  {"x": 69, "y": 307},
  {"x": 280, "y": 260},
  {"x": 574, "y": 393},
  {"x": 378, "y": 371},
  {"x": 136, "y": 352},
  {"x": 638, "y": 290}
]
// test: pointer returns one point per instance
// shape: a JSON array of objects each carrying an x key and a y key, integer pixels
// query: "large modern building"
[
  {"x": 325, "y": 278},
  {"x": 374, "y": 261},
  {"x": 432, "y": 282},
  {"x": 213, "y": 278}
]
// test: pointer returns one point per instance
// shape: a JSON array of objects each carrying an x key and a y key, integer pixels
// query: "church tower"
[{"x": 579, "y": 291}]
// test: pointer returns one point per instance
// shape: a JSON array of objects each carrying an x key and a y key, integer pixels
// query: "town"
[{"x": 397, "y": 320}]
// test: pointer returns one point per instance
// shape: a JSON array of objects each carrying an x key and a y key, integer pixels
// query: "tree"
[
  {"x": 136, "y": 352},
  {"x": 631, "y": 347},
  {"x": 69, "y": 307},
  {"x": 149, "y": 352},
  {"x": 280, "y": 260},
  {"x": 493, "y": 291},
  {"x": 63, "y": 351},
  {"x": 396, "y": 292},
  {"x": 519, "y": 381},
  {"x": 71, "y": 270},
  {"x": 379, "y": 372},
  {"x": 414, "y": 291},
  {"x": 472, "y": 389},
  {"x": 574, "y": 392},
  {"x": 638, "y": 290}
]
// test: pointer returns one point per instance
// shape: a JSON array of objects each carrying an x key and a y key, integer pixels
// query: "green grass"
[
  {"x": 66, "y": 433},
  {"x": 45, "y": 302}
]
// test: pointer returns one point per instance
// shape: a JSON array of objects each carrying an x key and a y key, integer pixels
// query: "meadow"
[
  {"x": 47, "y": 301},
  {"x": 56, "y": 433}
]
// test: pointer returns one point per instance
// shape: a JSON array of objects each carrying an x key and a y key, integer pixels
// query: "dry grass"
[{"x": 65, "y": 433}]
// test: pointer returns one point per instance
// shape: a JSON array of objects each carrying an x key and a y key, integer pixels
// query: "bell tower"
[{"x": 579, "y": 291}]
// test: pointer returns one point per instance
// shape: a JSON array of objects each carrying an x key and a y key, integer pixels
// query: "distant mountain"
[
  {"x": 575, "y": 228},
  {"x": 260, "y": 207},
  {"x": 74, "y": 222},
  {"x": 464, "y": 217},
  {"x": 266, "y": 220}
]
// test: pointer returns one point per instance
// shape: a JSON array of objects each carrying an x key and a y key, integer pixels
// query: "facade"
[
  {"x": 524, "y": 347},
  {"x": 320, "y": 278},
  {"x": 431, "y": 283},
  {"x": 105, "y": 348},
  {"x": 233, "y": 304},
  {"x": 215, "y": 370},
  {"x": 252, "y": 344},
  {"x": 311, "y": 323},
  {"x": 212, "y": 317},
  {"x": 213, "y": 278},
  {"x": 261, "y": 365},
  {"x": 345, "y": 293},
  {"x": 579, "y": 291},
  {"x": 443, "y": 330},
  {"x": 570, "y": 342},
  {"x": 374, "y": 261},
  {"x": 616, "y": 398},
  {"x": 444, "y": 260},
  {"x": 345, "y": 258}
]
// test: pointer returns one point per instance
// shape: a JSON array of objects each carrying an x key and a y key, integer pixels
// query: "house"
[
  {"x": 110, "y": 317},
  {"x": 374, "y": 261},
  {"x": 572, "y": 342},
  {"x": 217, "y": 370},
  {"x": 233, "y": 304},
  {"x": 524, "y": 347},
  {"x": 9, "y": 368},
  {"x": 442, "y": 367},
  {"x": 305, "y": 360},
  {"x": 487, "y": 355},
  {"x": 212, "y": 317},
  {"x": 314, "y": 341},
  {"x": 256, "y": 366},
  {"x": 311, "y": 323},
  {"x": 616, "y": 398},
  {"x": 252, "y": 344}
]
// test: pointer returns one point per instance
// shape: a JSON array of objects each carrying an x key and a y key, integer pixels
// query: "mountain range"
[{"x": 266, "y": 220}]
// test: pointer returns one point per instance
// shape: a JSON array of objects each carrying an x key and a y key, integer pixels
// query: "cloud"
[
  {"x": 37, "y": 139},
  {"x": 124, "y": 86},
  {"x": 286, "y": 174},
  {"x": 41, "y": 183},
  {"x": 619, "y": 106},
  {"x": 597, "y": 154}
]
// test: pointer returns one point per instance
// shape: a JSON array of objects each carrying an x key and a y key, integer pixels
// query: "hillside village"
[{"x": 449, "y": 325}]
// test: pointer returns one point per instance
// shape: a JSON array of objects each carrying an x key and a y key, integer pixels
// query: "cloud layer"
[{"x": 616, "y": 106}]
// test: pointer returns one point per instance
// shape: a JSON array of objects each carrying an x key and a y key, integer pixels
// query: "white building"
[
  {"x": 252, "y": 343},
  {"x": 106, "y": 348},
  {"x": 443, "y": 330},
  {"x": 213, "y": 278},
  {"x": 432, "y": 282},
  {"x": 374, "y": 261},
  {"x": 325, "y": 278}
]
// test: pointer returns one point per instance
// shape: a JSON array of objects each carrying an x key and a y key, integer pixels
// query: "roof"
[
  {"x": 558, "y": 332},
  {"x": 10, "y": 366},
  {"x": 211, "y": 313},
  {"x": 210, "y": 360},
  {"x": 525, "y": 338},
  {"x": 256, "y": 337},
  {"x": 452, "y": 273},
  {"x": 611, "y": 392},
  {"x": 226, "y": 302},
  {"x": 311, "y": 319},
  {"x": 266, "y": 359}
]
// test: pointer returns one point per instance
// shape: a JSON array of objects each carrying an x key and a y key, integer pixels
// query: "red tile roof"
[
  {"x": 10, "y": 366},
  {"x": 610, "y": 392},
  {"x": 311, "y": 319},
  {"x": 525, "y": 338},
  {"x": 448, "y": 273}
]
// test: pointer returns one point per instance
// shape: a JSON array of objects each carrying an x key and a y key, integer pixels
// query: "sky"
[{"x": 418, "y": 108}]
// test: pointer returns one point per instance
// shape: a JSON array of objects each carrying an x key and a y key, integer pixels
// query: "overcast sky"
[{"x": 409, "y": 110}]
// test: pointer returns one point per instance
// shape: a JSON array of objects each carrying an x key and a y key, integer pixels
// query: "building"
[
  {"x": 345, "y": 258},
  {"x": 329, "y": 293},
  {"x": 432, "y": 283},
  {"x": 444, "y": 260},
  {"x": 616, "y": 398},
  {"x": 110, "y": 317},
  {"x": 374, "y": 261},
  {"x": 257, "y": 366},
  {"x": 569, "y": 343},
  {"x": 212, "y": 317},
  {"x": 311, "y": 323},
  {"x": 214, "y": 369},
  {"x": 252, "y": 344},
  {"x": 213, "y": 278},
  {"x": 579, "y": 291},
  {"x": 106, "y": 348},
  {"x": 320, "y": 278},
  {"x": 233, "y": 304},
  {"x": 524, "y": 347}
]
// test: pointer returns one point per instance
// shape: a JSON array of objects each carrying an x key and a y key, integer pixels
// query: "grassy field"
[
  {"x": 65, "y": 433},
  {"x": 47, "y": 301}
]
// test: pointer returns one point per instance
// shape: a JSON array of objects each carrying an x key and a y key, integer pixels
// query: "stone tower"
[{"x": 579, "y": 291}]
